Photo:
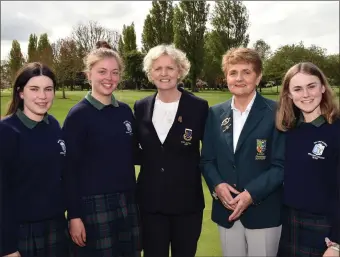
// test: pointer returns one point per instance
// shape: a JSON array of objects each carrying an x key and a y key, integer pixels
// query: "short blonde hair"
[
  {"x": 242, "y": 55},
  {"x": 102, "y": 50},
  {"x": 179, "y": 57},
  {"x": 287, "y": 112}
]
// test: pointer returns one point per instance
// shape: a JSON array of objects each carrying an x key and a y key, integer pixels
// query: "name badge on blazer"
[
  {"x": 261, "y": 147},
  {"x": 187, "y": 136}
]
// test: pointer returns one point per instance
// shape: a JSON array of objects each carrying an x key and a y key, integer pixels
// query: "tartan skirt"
[
  {"x": 49, "y": 238},
  {"x": 112, "y": 225},
  {"x": 303, "y": 234}
]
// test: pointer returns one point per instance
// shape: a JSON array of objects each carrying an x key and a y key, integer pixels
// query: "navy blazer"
[{"x": 170, "y": 179}]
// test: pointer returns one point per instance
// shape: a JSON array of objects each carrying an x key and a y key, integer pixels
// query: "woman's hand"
[{"x": 77, "y": 232}]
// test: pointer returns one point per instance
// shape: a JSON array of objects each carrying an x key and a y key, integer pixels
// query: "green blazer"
[{"x": 256, "y": 165}]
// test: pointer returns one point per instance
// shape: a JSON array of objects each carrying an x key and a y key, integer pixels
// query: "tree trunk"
[{"x": 64, "y": 95}]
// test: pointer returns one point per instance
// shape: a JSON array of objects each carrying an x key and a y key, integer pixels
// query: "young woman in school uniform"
[
  {"x": 34, "y": 203},
  {"x": 100, "y": 174},
  {"x": 309, "y": 115}
]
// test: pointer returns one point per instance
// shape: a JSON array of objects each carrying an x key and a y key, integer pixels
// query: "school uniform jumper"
[
  {"x": 311, "y": 188},
  {"x": 100, "y": 177},
  {"x": 34, "y": 192},
  {"x": 169, "y": 184}
]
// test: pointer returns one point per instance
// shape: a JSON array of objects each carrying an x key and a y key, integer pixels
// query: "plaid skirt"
[
  {"x": 303, "y": 234},
  {"x": 112, "y": 225},
  {"x": 47, "y": 238}
]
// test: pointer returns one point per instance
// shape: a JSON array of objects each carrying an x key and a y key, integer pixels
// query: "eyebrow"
[
  {"x": 101, "y": 68},
  {"x": 34, "y": 86},
  {"x": 306, "y": 85}
]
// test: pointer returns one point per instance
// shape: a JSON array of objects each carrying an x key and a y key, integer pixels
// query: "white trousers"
[{"x": 240, "y": 241}]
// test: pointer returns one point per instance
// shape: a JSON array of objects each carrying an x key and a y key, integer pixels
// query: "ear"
[
  {"x": 21, "y": 95},
  {"x": 323, "y": 89},
  {"x": 88, "y": 75},
  {"x": 258, "y": 79}
]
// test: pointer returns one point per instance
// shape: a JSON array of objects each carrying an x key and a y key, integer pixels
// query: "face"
[
  {"x": 104, "y": 76},
  {"x": 242, "y": 79},
  {"x": 38, "y": 95},
  {"x": 165, "y": 72},
  {"x": 306, "y": 92}
]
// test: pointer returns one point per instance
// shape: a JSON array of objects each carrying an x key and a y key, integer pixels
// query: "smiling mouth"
[
  {"x": 307, "y": 101},
  {"x": 107, "y": 85},
  {"x": 165, "y": 80}
]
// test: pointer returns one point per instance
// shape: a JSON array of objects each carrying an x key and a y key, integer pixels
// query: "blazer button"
[
  {"x": 162, "y": 170},
  {"x": 234, "y": 167}
]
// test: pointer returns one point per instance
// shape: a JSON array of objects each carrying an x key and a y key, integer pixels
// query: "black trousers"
[{"x": 182, "y": 232}]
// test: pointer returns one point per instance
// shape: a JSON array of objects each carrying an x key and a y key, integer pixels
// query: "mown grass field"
[{"x": 209, "y": 244}]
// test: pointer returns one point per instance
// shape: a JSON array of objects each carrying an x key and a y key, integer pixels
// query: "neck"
[
  {"x": 309, "y": 117},
  {"x": 104, "y": 99},
  {"x": 33, "y": 116},
  {"x": 168, "y": 96},
  {"x": 241, "y": 102}
]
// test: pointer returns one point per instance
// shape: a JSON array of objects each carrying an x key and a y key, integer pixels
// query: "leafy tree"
[
  {"x": 32, "y": 49},
  {"x": 15, "y": 60},
  {"x": 158, "y": 25},
  {"x": 190, "y": 19},
  {"x": 44, "y": 50},
  {"x": 262, "y": 48},
  {"x": 129, "y": 38}
]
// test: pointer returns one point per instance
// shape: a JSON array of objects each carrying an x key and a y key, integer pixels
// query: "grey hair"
[{"x": 179, "y": 57}]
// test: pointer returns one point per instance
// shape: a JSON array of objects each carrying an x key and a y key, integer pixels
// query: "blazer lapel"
[
  {"x": 226, "y": 126},
  {"x": 256, "y": 114}
]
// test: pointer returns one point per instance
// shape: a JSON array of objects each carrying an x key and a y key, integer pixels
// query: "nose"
[
  {"x": 239, "y": 77},
  {"x": 42, "y": 94},
  {"x": 164, "y": 72},
  {"x": 305, "y": 92}
]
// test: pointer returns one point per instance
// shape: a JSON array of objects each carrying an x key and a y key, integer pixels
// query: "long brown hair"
[
  {"x": 28, "y": 71},
  {"x": 287, "y": 112}
]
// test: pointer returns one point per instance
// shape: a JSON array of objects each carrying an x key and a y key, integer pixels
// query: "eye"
[
  {"x": 34, "y": 89},
  {"x": 116, "y": 73},
  {"x": 101, "y": 72},
  {"x": 49, "y": 89},
  {"x": 312, "y": 86}
]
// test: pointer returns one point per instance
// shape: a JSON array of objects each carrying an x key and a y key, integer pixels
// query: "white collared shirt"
[
  {"x": 239, "y": 119},
  {"x": 163, "y": 117}
]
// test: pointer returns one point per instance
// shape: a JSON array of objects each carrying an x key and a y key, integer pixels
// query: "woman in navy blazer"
[{"x": 170, "y": 126}]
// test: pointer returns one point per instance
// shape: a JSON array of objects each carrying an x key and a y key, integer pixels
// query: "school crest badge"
[
  {"x": 261, "y": 146},
  {"x": 128, "y": 127},
  {"x": 187, "y": 137},
  {"x": 63, "y": 147},
  {"x": 318, "y": 149},
  {"x": 187, "y": 134}
]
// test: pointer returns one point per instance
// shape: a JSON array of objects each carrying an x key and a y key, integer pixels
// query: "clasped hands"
[{"x": 238, "y": 204}]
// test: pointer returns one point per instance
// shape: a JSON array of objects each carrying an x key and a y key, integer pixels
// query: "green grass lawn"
[{"x": 209, "y": 244}]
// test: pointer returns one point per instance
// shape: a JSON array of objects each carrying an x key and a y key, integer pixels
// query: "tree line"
[{"x": 183, "y": 24}]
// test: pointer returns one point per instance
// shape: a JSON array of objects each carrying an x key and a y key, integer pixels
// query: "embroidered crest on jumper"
[
  {"x": 261, "y": 146},
  {"x": 63, "y": 146},
  {"x": 318, "y": 149},
  {"x": 128, "y": 127}
]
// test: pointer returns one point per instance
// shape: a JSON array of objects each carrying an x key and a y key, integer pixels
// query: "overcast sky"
[{"x": 278, "y": 23}]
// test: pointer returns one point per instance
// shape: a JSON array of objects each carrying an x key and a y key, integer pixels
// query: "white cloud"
[{"x": 278, "y": 23}]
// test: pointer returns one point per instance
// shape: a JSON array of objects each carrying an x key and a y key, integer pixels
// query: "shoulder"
[
  {"x": 269, "y": 103},
  {"x": 194, "y": 99},
  {"x": 144, "y": 101},
  {"x": 123, "y": 105},
  {"x": 220, "y": 107},
  {"x": 79, "y": 109},
  {"x": 11, "y": 121},
  {"x": 53, "y": 120},
  {"x": 8, "y": 134}
]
